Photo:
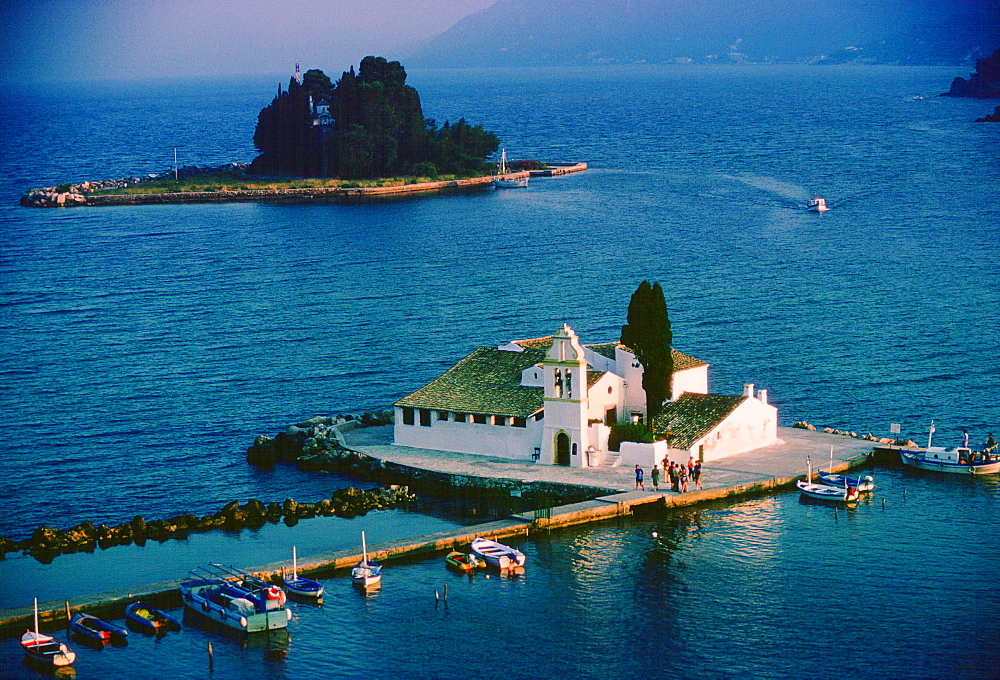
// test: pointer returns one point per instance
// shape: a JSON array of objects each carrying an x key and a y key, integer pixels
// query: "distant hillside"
[{"x": 563, "y": 32}]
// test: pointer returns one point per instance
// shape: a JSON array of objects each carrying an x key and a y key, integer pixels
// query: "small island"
[{"x": 363, "y": 137}]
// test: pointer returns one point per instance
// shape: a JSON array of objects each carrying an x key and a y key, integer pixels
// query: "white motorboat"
[
  {"x": 236, "y": 599},
  {"x": 960, "y": 460},
  {"x": 817, "y": 205},
  {"x": 45, "y": 648},
  {"x": 863, "y": 484},
  {"x": 503, "y": 180},
  {"x": 823, "y": 492},
  {"x": 300, "y": 585},
  {"x": 497, "y": 554},
  {"x": 366, "y": 573}
]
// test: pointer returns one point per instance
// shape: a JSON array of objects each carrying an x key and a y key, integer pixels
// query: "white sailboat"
[
  {"x": 366, "y": 573},
  {"x": 502, "y": 181},
  {"x": 45, "y": 648}
]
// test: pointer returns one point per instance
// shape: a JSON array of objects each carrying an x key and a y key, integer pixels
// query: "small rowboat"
[
  {"x": 497, "y": 554},
  {"x": 366, "y": 573},
  {"x": 45, "y": 648},
  {"x": 863, "y": 484},
  {"x": 823, "y": 492},
  {"x": 299, "y": 585},
  {"x": 464, "y": 562},
  {"x": 149, "y": 619},
  {"x": 95, "y": 628}
]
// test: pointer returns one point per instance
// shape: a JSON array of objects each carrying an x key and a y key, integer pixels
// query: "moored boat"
[
  {"x": 301, "y": 586},
  {"x": 823, "y": 492},
  {"x": 464, "y": 562},
  {"x": 95, "y": 628},
  {"x": 862, "y": 484},
  {"x": 45, "y": 648},
  {"x": 960, "y": 460},
  {"x": 366, "y": 573},
  {"x": 150, "y": 619},
  {"x": 497, "y": 554},
  {"x": 503, "y": 180},
  {"x": 235, "y": 599}
]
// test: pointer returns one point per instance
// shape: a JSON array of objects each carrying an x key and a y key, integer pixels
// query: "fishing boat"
[
  {"x": 366, "y": 573},
  {"x": 464, "y": 562},
  {"x": 960, "y": 460},
  {"x": 497, "y": 554},
  {"x": 502, "y": 180},
  {"x": 862, "y": 484},
  {"x": 45, "y": 648},
  {"x": 822, "y": 492},
  {"x": 95, "y": 628},
  {"x": 235, "y": 599},
  {"x": 150, "y": 619},
  {"x": 299, "y": 585},
  {"x": 817, "y": 205}
]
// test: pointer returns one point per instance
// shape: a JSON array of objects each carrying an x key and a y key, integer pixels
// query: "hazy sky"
[{"x": 81, "y": 39}]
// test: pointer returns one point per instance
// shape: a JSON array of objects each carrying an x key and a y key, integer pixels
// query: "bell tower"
[{"x": 564, "y": 371}]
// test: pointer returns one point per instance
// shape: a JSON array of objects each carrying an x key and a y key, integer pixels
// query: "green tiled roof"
[
  {"x": 692, "y": 416},
  {"x": 488, "y": 381},
  {"x": 681, "y": 361}
]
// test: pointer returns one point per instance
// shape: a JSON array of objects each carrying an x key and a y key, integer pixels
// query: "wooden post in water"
[
  {"x": 68, "y": 617},
  {"x": 211, "y": 656}
]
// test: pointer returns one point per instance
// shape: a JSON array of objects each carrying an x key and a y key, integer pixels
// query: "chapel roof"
[
  {"x": 691, "y": 416},
  {"x": 682, "y": 361},
  {"x": 488, "y": 381}
]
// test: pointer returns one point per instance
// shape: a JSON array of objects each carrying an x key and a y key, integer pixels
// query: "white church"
[{"x": 553, "y": 400}]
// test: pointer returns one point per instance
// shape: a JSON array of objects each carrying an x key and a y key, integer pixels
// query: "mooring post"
[
  {"x": 68, "y": 617},
  {"x": 211, "y": 656}
]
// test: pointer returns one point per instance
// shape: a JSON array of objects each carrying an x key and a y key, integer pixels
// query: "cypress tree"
[{"x": 648, "y": 334}]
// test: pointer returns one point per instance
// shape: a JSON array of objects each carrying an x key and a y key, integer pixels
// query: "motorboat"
[
  {"x": 464, "y": 562},
  {"x": 150, "y": 619},
  {"x": 960, "y": 460},
  {"x": 45, "y": 648},
  {"x": 497, "y": 554},
  {"x": 817, "y": 205},
  {"x": 366, "y": 573},
  {"x": 862, "y": 484},
  {"x": 95, "y": 628},
  {"x": 823, "y": 492},
  {"x": 236, "y": 599},
  {"x": 503, "y": 180},
  {"x": 299, "y": 585}
]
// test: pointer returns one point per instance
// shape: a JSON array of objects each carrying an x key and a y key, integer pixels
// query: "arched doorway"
[{"x": 562, "y": 449}]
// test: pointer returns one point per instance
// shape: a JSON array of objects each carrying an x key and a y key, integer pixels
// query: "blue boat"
[
  {"x": 300, "y": 585},
  {"x": 150, "y": 619},
  {"x": 866, "y": 483},
  {"x": 95, "y": 628}
]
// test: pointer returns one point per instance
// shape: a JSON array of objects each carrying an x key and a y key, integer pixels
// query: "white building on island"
[{"x": 554, "y": 400}]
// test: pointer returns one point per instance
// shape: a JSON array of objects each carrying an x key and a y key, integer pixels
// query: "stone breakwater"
[
  {"x": 46, "y": 543},
  {"x": 315, "y": 444},
  {"x": 803, "y": 425},
  {"x": 83, "y": 193}
]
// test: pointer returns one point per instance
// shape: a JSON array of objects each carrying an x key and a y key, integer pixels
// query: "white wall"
[
  {"x": 690, "y": 380},
  {"x": 643, "y": 455},
  {"x": 751, "y": 426},
  {"x": 502, "y": 441}
]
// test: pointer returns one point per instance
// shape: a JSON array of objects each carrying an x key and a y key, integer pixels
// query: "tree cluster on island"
[{"x": 367, "y": 125}]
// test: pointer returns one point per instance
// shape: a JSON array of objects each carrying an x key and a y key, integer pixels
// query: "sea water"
[{"x": 145, "y": 347}]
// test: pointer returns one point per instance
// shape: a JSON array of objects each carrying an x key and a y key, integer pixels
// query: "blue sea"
[{"x": 145, "y": 347}]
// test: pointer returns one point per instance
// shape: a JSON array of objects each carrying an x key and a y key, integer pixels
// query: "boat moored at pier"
[
  {"x": 236, "y": 599},
  {"x": 960, "y": 460},
  {"x": 497, "y": 554}
]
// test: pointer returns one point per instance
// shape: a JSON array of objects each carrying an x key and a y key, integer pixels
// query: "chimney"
[
  {"x": 762, "y": 395},
  {"x": 748, "y": 390}
]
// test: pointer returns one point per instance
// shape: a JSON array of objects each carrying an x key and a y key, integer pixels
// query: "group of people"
[
  {"x": 680, "y": 476},
  {"x": 987, "y": 455}
]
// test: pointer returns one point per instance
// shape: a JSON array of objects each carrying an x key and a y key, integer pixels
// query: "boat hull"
[
  {"x": 519, "y": 183},
  {"x": 90, "y": 627},
  {"x": 226, "y": 605},
  {"x": 919, "y": 461},
  {"x": 149, "y": 619},
  {"x": 497, "y": 555},
  {"x": 46, "y": 650},
  {"x": 822, "y": 492},
  {"x": 863, "y": 484},
  {"x": 303, "y": 587}
]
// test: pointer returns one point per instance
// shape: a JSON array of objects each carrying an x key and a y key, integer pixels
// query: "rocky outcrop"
[
  {"x": 46, "y": 543},
  {"x": 990, "y": 118},
  {"x": 983, "y": 84},
  {"x": 307, "y": 442}
]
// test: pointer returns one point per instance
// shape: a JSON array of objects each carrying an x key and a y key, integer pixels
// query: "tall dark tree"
[{"x": 648, "y": 334}]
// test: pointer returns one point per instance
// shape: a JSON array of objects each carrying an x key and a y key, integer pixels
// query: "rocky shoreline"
[{"x": 803, "y": 425}]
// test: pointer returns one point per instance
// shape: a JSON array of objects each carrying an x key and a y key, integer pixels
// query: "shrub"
[{"x": 628, "y": 432}]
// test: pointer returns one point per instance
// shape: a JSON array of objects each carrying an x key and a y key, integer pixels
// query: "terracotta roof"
[
  {"x": 691, "y": 416},
  {"x": 488, "y": 381}
]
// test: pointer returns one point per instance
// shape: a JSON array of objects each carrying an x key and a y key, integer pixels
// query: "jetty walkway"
[{"x": 745, "y": 474}]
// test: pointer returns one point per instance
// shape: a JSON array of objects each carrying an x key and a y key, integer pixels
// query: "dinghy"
[
  {"x": 150, "y": 619},
  {"x": 95, "y": 628},
  {"x": 464, "y": 562},
  {"x": 497, "y": 554},
  {"x": 45, "y": 648},
  {"x": 366, "y": 573},
  {"x": 299, "y": 585}
]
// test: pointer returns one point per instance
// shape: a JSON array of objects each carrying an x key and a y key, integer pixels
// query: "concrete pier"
[{"x": 746, "y": 474}]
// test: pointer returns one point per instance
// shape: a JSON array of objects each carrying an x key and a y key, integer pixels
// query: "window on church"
[
  {"x": 569, "y": 385},
  {"x": 558, "y": 383},
  {"x": 460, "y": 417},
  {"x": 518, "y": 422},
  {"x": 479, "y": 418},
  {"x": 499, "y": 420},
  {"x": 425, "y": 417},
  {"x": 407, "y": 415},
  {"x": 442, "y": 415},
  {"x": 539, "y": 416}
]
